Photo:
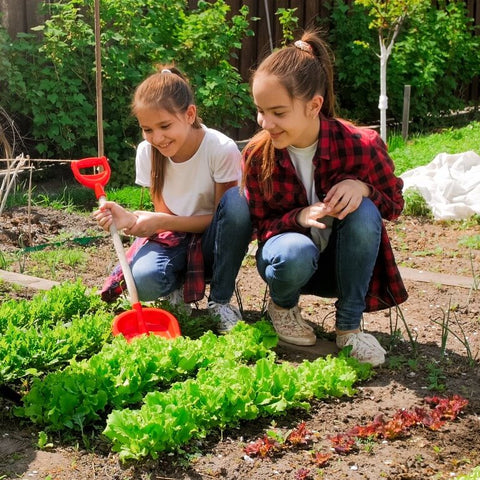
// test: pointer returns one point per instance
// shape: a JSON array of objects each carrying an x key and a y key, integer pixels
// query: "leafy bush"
[
  {"x": 435, "y": 53},
  {"x": 52, "y": 76},
  {"x": 357, "y": 82},
  {"x": 438, "y": 56}
]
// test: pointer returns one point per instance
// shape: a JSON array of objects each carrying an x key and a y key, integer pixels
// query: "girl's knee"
[
  {"x": 365, "y": 219},
  {"x": 294, "y": 253},
  {"x": 235, "y": 207}
]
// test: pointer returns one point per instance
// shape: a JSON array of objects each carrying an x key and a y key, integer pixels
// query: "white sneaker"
[
  {"x": 229, "y": 315},
  {"x": 365, "y": 347},
  {"x": 175, "y": 299},
  {"x": 290, "y": 326}
]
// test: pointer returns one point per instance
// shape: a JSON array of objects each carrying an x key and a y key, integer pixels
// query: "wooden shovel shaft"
[{"x": 122, "y": 258}]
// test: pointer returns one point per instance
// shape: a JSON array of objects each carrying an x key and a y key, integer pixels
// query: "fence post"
[{"x": 406, "y": 111}]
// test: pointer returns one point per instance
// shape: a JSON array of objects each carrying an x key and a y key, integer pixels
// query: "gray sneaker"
[
  {"x": 175, "y": 299},
  {"x": 365, "y": 347},
  {"x": 229, "y": 315},
  {"x": 290, "y": 326}
]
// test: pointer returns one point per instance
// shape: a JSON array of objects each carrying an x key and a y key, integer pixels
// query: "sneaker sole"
[{"x": 301, "y": 341}]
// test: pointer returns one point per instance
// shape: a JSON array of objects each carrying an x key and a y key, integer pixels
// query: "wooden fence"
[{"x": 21, "y": 15}]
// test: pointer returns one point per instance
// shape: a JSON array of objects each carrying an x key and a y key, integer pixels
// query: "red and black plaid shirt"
[{"x": 344, "y": 152}]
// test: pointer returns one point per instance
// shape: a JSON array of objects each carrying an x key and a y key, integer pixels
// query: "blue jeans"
[
  {"x": 159, "y": 271},
  {"x": 291, "y": 264}
]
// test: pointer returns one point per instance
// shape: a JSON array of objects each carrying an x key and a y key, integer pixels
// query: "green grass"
[
  {"x": 422, "y": 149},
  {"x": 76, "y": 198}
]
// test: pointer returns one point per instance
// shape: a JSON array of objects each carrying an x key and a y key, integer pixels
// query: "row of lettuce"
[{"x": 152, "y": 394}]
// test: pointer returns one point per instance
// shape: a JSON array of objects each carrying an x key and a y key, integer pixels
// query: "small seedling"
[{"x": 436, "y": 377}]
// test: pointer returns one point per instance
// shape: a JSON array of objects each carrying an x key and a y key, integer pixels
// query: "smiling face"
[
  {"x": 168, "y": 132},
  {"x": 289, "y": 121}
]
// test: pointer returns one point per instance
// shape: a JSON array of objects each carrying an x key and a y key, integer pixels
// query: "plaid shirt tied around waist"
[{"x": 194, "y": 286}]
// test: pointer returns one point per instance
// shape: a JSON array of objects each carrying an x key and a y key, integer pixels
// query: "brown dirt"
[{"x": 401, "y": 384}]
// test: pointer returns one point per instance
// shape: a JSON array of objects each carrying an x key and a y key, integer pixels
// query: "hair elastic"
[
  {"x": 306, "y": 47},
  {"x": 166, "y": 70}
]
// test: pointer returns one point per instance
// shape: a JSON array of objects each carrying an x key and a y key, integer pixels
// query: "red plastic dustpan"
[{"x": 138, "y": 321}]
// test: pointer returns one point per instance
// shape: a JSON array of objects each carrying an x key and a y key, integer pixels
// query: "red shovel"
[{"x": 138, "y": 321}]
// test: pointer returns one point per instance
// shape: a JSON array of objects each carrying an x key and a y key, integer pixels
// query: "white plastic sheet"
[{"x": 450, "y": 184}]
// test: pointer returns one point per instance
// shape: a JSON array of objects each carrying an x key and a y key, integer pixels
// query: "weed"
[
  {"x": 72, "y": 257},
  {"x": 397, "y": 362},
  {"x": 415, "y": 204},
  {"x": 446, "y": 330},
  {"x": 472, "y": 221},
  {"x": 412, "y": 364},
  {"x": 437, "y": 450},
  {"x": 4, "y": 262},
  {"x": 395, "y": 333},
  {"x": 419, "y": 458},
  {"x": 436, "y": 377},
  {"x": 472, "y": 242},
  {"x": 438, "y": 251},
  {"x": 368, "y": 444},
  {"x": 475, "y": 275}
]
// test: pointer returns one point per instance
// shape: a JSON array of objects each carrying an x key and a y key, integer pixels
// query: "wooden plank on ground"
[
  {"x": 434, "y": 277},
  {"x": 27, "y": 281}
]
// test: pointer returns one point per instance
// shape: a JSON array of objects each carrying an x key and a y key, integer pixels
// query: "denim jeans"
[
  {"x": 291, "y": 264},
  {"x": 159, "y": 271}
]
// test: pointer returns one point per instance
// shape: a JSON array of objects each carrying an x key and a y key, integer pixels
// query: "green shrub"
[
  {"x": 438, "y": 56},
  {"x": 53, "y": 85},
  {"x": 357, "y": 80},
  {"x": 436, "y": 53}
]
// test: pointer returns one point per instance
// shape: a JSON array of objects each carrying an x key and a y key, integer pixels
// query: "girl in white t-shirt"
[{"x": 200, "y": 229}]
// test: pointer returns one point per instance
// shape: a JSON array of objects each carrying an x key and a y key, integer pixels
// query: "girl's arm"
[{"x": 149, "y": 223}]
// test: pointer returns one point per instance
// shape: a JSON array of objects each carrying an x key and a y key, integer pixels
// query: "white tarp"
[{"x": 450, "y": 184}]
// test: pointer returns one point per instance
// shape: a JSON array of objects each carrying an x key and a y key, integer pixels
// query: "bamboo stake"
[
  {"x": 30, "y": 203},
  {"x": 98, "y": 69}
]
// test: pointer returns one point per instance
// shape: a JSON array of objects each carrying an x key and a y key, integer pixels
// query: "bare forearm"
[
  {"x": 193, "y": 224},
  {"x": 149, "y": 223}
]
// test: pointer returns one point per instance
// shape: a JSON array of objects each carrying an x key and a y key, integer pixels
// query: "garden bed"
[{"x": 435, "y": 314}]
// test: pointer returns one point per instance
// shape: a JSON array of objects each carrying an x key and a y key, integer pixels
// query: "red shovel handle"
[{"x": 96, "y": 181}]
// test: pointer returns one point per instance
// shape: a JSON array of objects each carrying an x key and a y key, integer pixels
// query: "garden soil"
[{"x": 433, "y": 343}]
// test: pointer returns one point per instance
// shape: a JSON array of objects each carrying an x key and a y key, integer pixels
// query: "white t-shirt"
[
  {"x": 302, "y": 161},
  {"x": 189, "y": 187}
]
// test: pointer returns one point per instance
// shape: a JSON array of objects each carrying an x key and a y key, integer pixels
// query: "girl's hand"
[
  {"x": 311, "y": 216},
  {"x": 111, "y": 212},
  {"x": 148, "y": 223},
  {"x": 345, "y": 197}
]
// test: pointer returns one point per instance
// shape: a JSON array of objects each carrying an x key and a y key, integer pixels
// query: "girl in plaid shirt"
[
  {"x": 200, "y": 228},
  {"x": 318, "y": 188}
]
